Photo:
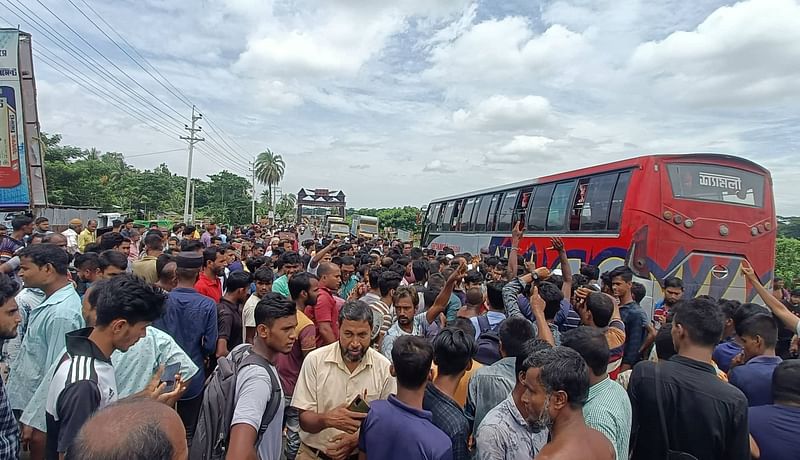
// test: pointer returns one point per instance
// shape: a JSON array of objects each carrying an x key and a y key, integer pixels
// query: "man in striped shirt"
[{"x": 388, "y": 284}]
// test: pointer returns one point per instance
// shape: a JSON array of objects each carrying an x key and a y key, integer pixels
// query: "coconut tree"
[{"x": 269, "y": 170}]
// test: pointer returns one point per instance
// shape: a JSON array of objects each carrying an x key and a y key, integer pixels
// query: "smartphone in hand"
[
  {"x": 168, "y": 376},
  {"x": 359, "y": 404}
]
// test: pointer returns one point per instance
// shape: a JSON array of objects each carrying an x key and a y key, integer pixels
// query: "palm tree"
[
  {"x": 286, "y": 205},
  {"x": 269, "y": 170}
]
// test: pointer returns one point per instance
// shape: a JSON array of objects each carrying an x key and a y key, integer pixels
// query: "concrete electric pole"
[
  {"x": 192, "y": 139},
  {"x": 253, "y": 177}
]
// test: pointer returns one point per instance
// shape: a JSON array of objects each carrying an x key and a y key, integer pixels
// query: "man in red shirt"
[
  {"x": 325, "y": 313},
  {"x": 214, "y": 263}
]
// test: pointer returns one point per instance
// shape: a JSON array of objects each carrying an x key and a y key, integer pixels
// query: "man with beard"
[
  {"x": 556, "y": 387},
  {"x": 304, "y": 288},
  {"x": 9, "y": 321},
  {"x": 408, "y": 321},
  {"x": 332, "y": 379},
  {"x": 214, "y": 263},
  {"x": 508, "y": 432},
  {"x": 673, "y": 292}
]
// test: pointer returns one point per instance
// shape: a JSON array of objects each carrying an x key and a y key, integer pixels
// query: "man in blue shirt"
[
  {"x": 42, "y": 266},
  {"x": 776, "y": 427},
  {"x": 399, "y": 428},
  {"x": 752, "y": 369},
  {"x": 9, "y": 320},
  {"x": 632, "y": 315},
  {"x": 191, "y": 319}
]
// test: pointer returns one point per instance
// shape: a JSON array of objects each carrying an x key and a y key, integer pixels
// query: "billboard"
[{"x": 14, "y": 190}]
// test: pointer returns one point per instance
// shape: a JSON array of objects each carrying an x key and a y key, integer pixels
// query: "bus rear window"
[{"x": 716, "y": 183}]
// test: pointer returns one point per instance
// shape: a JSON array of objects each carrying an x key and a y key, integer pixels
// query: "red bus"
[{"x": 695, "y": 216}]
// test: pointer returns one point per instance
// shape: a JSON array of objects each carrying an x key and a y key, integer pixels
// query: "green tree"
[
  {"x": 81, "y": 177},
  {"x": 269, "y": 170},
  {"x": 287, "y": 206},
  {"x": 787, "y": 259}
]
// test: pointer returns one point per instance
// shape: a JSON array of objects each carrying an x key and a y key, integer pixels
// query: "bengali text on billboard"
[{"x": 14, "y": 191}]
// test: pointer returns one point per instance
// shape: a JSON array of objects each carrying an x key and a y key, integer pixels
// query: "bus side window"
[
  {"x": 466, "y": 215},
  {"x": 578, "y": 207},
  {"x": 483, "y": 214},
  {"x": 615, "y": 215},
  {"x": 493, "y": 211},
  {"x": 472, "y": 224},
  {"x": 594, "y": 213},
  {"x": 447, "y": 217},
  {"x": 537, "y": 216},
  {"x": 556, "y": 215},
  {"x": 506, "y": 214},
  {"x": 433, "y": 215},
  {"x": 453, "y": 224}
]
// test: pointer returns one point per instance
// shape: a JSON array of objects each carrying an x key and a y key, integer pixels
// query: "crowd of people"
[{"x": 248, "y": 343}]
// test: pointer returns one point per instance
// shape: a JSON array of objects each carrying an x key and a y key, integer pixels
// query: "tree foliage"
[
  {"x": 787, "y": 259},
  {"x": 269, "y": 168},
  {"x": 403, "y": 218},
  {"x": 789, "y": 227},
  {"x": 80, "y": 177}
]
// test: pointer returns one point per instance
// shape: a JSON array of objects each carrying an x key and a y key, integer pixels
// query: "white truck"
[
  {"x": 336, "y": 226},
  {"x": 364, "y": 226}
]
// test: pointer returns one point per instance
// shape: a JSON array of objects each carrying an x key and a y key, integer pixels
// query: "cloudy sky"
[{"x": 398, "y": 102}]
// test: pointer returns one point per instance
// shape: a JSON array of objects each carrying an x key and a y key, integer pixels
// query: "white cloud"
[
  {"x": 504, "y": 113},
  {"x": 365, "y": 95},
  {"x": 521, "y": 149},
  {"x": 438, "y": 166},
  {"x": 745, "y": 53},
  {"x": 497, "y": 50}
]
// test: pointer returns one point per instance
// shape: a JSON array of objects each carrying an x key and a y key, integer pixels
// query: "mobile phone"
[
  {"x": 168, "y": 376},
  {"x": 358, "y": 405}
]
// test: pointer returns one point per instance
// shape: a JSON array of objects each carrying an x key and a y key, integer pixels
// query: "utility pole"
[
  {"x": 192, "y": 139},
  {"x": 253, "y": 177}
]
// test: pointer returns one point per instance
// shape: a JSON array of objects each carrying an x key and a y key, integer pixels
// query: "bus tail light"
[
  {"x": 768, "y": 226},
  {"x": 667, "y": 215},
  {"x": 760, "y": 228},
  {"x": 754, "y": 231},
  {"x": 688, "y": 223},
  {"x": 678, "y": 219},
  {"x": 723, "y": 230}
]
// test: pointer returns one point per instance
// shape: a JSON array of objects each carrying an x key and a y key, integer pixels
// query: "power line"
[
  {"x": 120, "y": 47},
  {"x": 109, "y": 60},
  {"x": 61, "y": 41},
  {"x": 152, "y": 153},
  {"x": 168, "y": 86},
  {"x": 64, "y": 43},
  {"x": 181, "y": 96}
]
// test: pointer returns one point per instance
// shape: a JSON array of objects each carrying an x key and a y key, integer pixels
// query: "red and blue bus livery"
[{"x": 695, "y": 216}]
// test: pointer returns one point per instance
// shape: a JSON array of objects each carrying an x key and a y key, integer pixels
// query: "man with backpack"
[
  {"x": 486, "y": 325},
  {"x": 241, "y": 416}
]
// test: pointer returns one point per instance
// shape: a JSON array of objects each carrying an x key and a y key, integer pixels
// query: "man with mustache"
[
  {"x": 556, "y": 386},
  {"x": 332, "y": 377}
]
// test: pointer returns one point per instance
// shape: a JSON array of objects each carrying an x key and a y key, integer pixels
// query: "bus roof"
[{"x": 621, "y": 164}]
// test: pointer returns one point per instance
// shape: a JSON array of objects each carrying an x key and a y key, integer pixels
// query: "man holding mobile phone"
[
  {"x": 330, "y": 380},
  {"x": 84, "y": 380}
]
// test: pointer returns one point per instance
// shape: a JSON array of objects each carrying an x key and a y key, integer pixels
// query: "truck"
[
  {"x": 364, "y": 226},
  {"x": 336, "y": 226}
]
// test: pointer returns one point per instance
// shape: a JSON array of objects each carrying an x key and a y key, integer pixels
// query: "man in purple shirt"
[
  {"x": 399, "y": 429},
  {"x": 211, "y": 231},
  {"x": 752, "y": 369}
]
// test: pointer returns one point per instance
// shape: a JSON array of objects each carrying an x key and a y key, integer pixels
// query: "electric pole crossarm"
[{"x": 191, "y": 139}]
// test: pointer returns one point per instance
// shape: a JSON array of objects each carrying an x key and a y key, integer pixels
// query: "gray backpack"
[{"x": 212, "y": 434}]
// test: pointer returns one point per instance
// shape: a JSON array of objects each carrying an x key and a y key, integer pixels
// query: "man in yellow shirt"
[
  {"x": 87, "y": 236},
  {"x": 330, "y": 380}
]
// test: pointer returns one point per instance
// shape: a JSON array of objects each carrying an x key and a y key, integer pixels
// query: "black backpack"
[
  {"x": 212, "y": 434},
  {"x": 488, "y": 344}
]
